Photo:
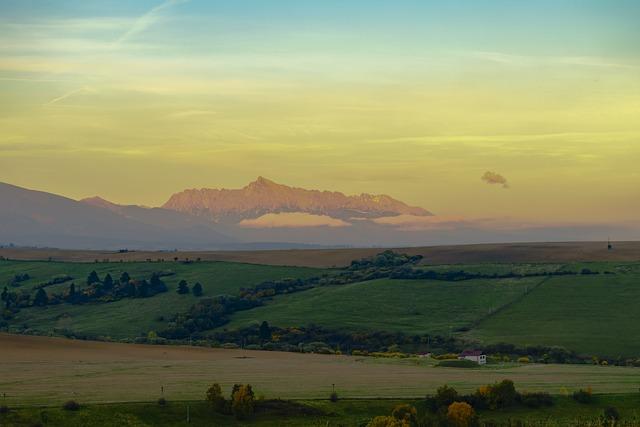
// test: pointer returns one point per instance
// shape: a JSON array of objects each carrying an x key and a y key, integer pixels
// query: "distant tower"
[{"x": 609, "y": 245}]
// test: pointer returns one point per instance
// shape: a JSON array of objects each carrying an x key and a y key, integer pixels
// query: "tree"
[
  {"x": 124, "y": 277},
  {"x": 242, "y": 405},
  {"x": 406, "y": 413},
  {"x": 445, "y": 396},
  {"x": 265, "y": 331},
  {"x": 461, "y": 414},
  {"x": 107, "y": 284},
  {"x": 41, "y": 299},
  {"x": 93, "y": 278},
  {"x": 183, "y": 287},
  {"x": 71, "y": 295},
  {"x": 197, "y": 289},
  {"x": 215, "y": 397},
  {"x": 4, "y": 294},
  {"x": 502, "y": 395}
]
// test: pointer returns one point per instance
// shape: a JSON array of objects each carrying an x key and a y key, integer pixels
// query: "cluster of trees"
[
  {"x": 241, "y": 403},
  {"x": 55, "y": 281},
  {"x": 206, "y": 314},
  {"x": 376, "y": 267},
  {"x": 16, "y": 280},
  {"x": 183, "y": 288},
  {"x": 384, "y": 259},
  {"x": 107, "y": 289},
  {"x": 410, "y": 273},
  {"x": 317, "y": 339},
  {"x": 97, "y": 290},
  {"x": 496, "y": 396}
]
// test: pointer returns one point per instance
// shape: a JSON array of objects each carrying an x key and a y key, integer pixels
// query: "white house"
[{"x": 474, "y": 356}]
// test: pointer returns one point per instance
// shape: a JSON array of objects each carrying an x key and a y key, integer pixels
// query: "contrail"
[
  {"x": 67, "y": 95},
  {"x": 147, "y": 20}
]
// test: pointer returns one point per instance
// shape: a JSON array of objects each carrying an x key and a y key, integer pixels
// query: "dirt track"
[{"x": 509, "y": 252}]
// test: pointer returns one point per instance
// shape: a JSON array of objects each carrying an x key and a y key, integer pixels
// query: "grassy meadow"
[
  {"x": 128, "y": 318},
  {"x": 409, "y": 306}
]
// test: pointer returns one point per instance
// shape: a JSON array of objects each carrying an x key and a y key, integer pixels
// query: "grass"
[
  {"x": 129, "y": 318},
  {"x": 589, "y": 314},
  {"x": 342, "y": 413},
  {"x": 410, "y": 306}
]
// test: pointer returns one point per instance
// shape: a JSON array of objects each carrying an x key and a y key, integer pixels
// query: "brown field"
[
  {"x": 43, "y": 370},
  {"x": 459, "y": 254}
]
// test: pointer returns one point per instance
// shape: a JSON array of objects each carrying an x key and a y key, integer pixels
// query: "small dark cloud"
[{"x": 495, "y": 178}]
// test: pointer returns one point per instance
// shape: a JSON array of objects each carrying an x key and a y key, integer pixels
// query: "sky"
[{"x": 485, "y": 109}]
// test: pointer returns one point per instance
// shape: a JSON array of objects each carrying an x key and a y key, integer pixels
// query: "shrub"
[
  {"x": 502, "y": 394},
  {"x": 386, "y": 421},
  {"x": 4, "y": 409},
  {"x": 71, "y": 405},
  {"x": 524, "y": 359},
  {"x": 464, "y": 363},
  {"x": 162, "y": 401},
  {"x": 583, "y": 396},
  {"x": 461, "y": 414},
  {"x": 215, "y": 397},
  {"x": 333, "y": 397},
  {"x": 406, "y": 413},
  {"x": 611, "y": 414},
  {"x": 536, "y": 400},
  {"x": 445, "y": 396}
]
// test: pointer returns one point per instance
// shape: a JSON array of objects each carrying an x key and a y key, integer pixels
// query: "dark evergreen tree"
[
  {"x": 265, "y": 331},
  {"x": 124, "y": 277},
  {"x": 107, "y": 283},
  {"x": 72, "y": 292},
  {"x": 93, "y": 278},
  {"x": 4, "y": 294},
  {"x": 183, "y": 287},
  {"x": 41, "y": 299},
  {"x": 197, "y": 289}
]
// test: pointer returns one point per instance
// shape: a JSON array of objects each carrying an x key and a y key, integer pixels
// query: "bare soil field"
[
  {"x": 43, "y": 370},
  {"x": 455, "y": 254}
]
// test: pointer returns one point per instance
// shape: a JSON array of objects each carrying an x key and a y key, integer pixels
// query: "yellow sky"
[{"x": 90, "y": 117}]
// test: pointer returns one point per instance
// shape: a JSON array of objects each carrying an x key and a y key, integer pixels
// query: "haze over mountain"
[
  {"x": 264, "y": 196},
  {"x": 36, "y": 218},
  {"x": 261, "y": 215}
]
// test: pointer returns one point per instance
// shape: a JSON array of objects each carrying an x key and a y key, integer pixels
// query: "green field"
[
  {"x": 129, "y": 318},
  {"x": 587, "y": 313},
  {"x": 347, "y": 413},
  {"x": 410, "y": 306},
  {"x": 594, "y": 315}
]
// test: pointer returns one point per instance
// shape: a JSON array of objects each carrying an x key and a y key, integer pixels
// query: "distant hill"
[
  {"x": 264, "y": 197},
  {"x": 37, "y": 218}
]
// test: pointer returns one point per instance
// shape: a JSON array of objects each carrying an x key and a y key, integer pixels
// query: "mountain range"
[
  {"x": 192, "y": 219},
  {"x": 261, "y": 215},
  {"x": 264, "y": 196}
]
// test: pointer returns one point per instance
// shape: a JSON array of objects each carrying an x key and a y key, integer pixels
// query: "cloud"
[
  {"x": 146, "y": 21},
  {"x": 494, "y": 178},
  {"x": 68, "y": 95},
  {"x": 415, "y": 223},
  {"x": 293, "y": 220}
]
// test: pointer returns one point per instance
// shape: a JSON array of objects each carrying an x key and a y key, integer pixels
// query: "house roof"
[{"x": 471, "y": 353}]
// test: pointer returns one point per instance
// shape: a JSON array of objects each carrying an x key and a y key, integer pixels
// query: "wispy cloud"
[
  {"x": 146, "y": 21},
  {"x": 69, "y": 94},
  {"x": 527, "y": 61}
]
